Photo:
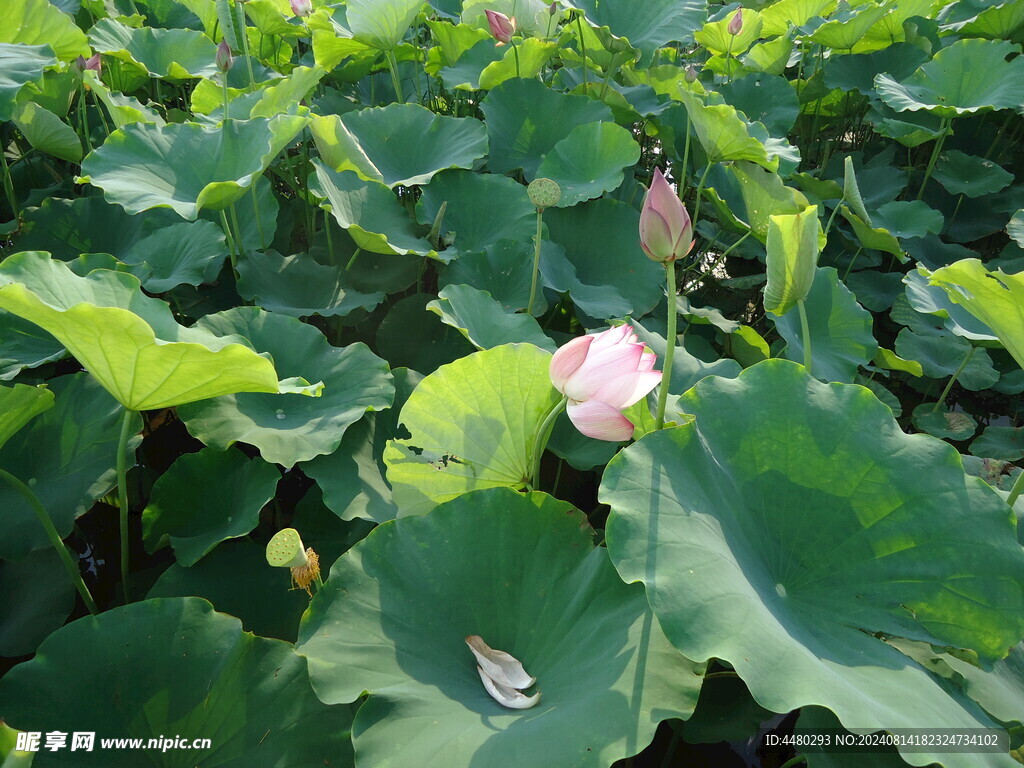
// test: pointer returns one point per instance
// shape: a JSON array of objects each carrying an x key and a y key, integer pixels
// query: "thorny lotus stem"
[
  {"x": 805, "y": 331},
  {"x": 541, "y": 442},
  {"x": 395, "y": 80},
  {"x": 54, "y": 537},
  {"x": 536, "y": 262},
  {"x": 122, "y": 497},
  {"x": 670, "y": 342},
  {"x": 953, "y": 378},
  {"x": 1015, "y": 491},
  {"x": 935, "y": 155}
]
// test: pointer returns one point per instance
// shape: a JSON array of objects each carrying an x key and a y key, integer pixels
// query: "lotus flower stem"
[
  {"x": 805, "y": 331},
  {"x": 237, "y": 236},
  {"x": 352, "y": 261},
  {"x": 122, "y": 497},
  {"x": 944, "y": 132},
  {"x": 700, "y": 191},
  {"x": 541, "y": 442},
  {"x": 12, "y": 199},
  {"x": 230, "y": 238},
  {"x": 259, "y": 226},
  {"x": 515, "y": 52},
  {"x": 583, "y": 47},
  {"x": 670, "y": 343},
  {"x": 1015, "y": 491},
  {"x": 395, "y": 79},
  {"x": 953, "y": 378},
  {"x": 245, "y": 46},
  {"x": 536, "y": 262},
  {"x": 612, "y": 66},
  {"x": 54, "y": 537}
]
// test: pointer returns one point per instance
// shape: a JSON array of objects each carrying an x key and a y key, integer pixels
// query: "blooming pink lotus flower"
[
  {"x": 736, "y": 23},
  {"x": 502, "y": 27},
  {"x": 601, "y": 374},
  {"x": 302, "y": 7},
  {"x": 666, "y": 232}
]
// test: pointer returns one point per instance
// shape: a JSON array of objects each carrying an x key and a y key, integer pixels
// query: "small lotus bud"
[
  {"x": 79, "y": 64},
  {"x": 544, "y": 193},
  {"x": 736, "y": 23},
  {"x": 502, "y": 27},
  {"x": 691, "y": 73},
  {"x": 666, "y": 232},
  {"x": 302, "y": 7},
  {"x": 95, "y": 63},
  {"x": 224, "y": 58},
  {"x": 285, "y": 550},
  {"x": 553, "y": 7}
]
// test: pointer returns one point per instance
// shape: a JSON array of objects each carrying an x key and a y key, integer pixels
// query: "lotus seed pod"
[
  {"x": 285, "y": 550},
  {"x": 544, "y": 193}
]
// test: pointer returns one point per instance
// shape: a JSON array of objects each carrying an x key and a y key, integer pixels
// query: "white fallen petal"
[
  {"x": 507, "y": 697},
  {"x": 503, "y": 668}
]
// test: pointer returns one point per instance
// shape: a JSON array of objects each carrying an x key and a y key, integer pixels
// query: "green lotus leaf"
[
  {"x": 964, "y": 77},
  {"x": 66, "y": 456},
  {"x": 472, "y": 425},
  {"x": 582, "y": 452},
  {"x": 504, "y": 269},
  {"x": 204, "y": 499},
  {"x": 890, "y": 361},
  {"x": 371, "y": 213},
  {"x": 778, "y": 17},
  {"x": 332, "y": 42},
  {"x": 952, "y": 425},
  {"x": 762, "y": 194},
  {"x": 846, "y": 27},
  {"x": 36, "y": 597},
  {"x": 911, "y": 129},
  {"x": 793, "y": 244},
  {"x": 411, "y": 337},
  {"x": 19, "y": 405},
  {"x": 857, "y": 72},
  {"x": 169, "y": 53},
  {"x": 941, "y": 354},
  {"x": 465, "y": 73},
  {"x": 818, "y": 720},
  {"x": 534, "y": 54},
  {"x": 646, "y": 26},
  {"x": 968, "y": 175},
  {"x": 450, "y": 41},
  {"x": 185, "y": 166},
  {"x": 716, "y": 38},
  {"x": 933, "y": 300},
  {"x": 605, "y": 672},
  {"x": 1005, "y": 443},
  {"x": 892, "y": 28},
  {"x": 525, "y": 120},
  {"x": 275, "y": 97},
  {"x": 173, "y": 666},
  {"x": 37, "y": 23},
  {"x": 483, "y": 208},
  {"x": 782, "y": 545},
  {"x": 995, "y": 22},
  {"x": 768, "y": 99},
  {"x": 723, "y": 134},
  {"x": 298, "y": 286},
  {"x": 400, "y": 144},
  {"x": 20, "y": 64},
  {"x": 483, "y": 321},
  {"x": 46, "y": 132},
  {"x": 877, "y": 238},
  {"x": 24, "y": 345},
  {"x": 687, "y": 369},
  {"x": 875, "y": 290},
  {"x": 381, "y": 23},
  {"x": 291, "y": 428},
  {"x": 589, "y": 161},
  {"x": 995, "y": 298},
  {"x": 127, "y": 340},
  {"x": 908, "y": 218}
]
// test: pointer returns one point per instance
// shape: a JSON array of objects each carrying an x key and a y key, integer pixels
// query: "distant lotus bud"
[
  {"x": 302, "y": 7},
  {"x": 544, "y": 193},
  {"x": 553, "y": 7},
  {"x": 94, "y": 63},
  {"x": 666, "y": 232},
  {"x": 502, "y": 27},
  {"x": 79, "y": 64},
  {"x": 224, "y": 58},
  {"x": 691, "y": 73},
  {"x": 736, "y": 23}
]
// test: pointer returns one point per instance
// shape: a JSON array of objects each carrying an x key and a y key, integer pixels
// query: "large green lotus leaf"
[
  {"x": 381, "y": 23},
  {"x": 127, "y": 340},
  {"x": 715, "y": 35},
  {"x": 46, "y": 132},
  {"x": 764, "y": 195},
  {"x": 941, "y": 354},
  {"x": 504, "y": 269},
  {"x": 995, "y": 298},
  {"x": 371, "y": 213},
  {"x": 410, "y": 336},
  {"x": 723, "y": 134},
  {"x": 818, "y": 721},
  {"x": 353, "y": 477},
  {"x": 933, "y": 300},
  {"x": 606, "y": 673},
  {"x": 36, "y": 597},
  {"x": 778, "y": 17},
  {"x": 466, "y": 72},
  {"x": 19, "y": 405},
  {"x": 533, "y": 56},
  {"x": 484, "y": 322},
  {"x": 172, "y": 666},
  {"x": 845, "y": 29},
  {"x": 450, "y": 41},
  {"x": 969, "y": 175},
  {"x": 600, "y": 241},
  {"x": 793, "y": 245},
  {"x": 298, "y": 286},
  {"x": 951, "y": 425},
  {"x": 597, "y": 299},
  {"x": 66, "y": 456},
  {"x": 857, "y": 72},
  {"x": 589, "y": 161},
  {"x": 995, "y": 22},
  {"x": 168, "y": 53},
  {"x": 525, "y": 120},
  {"x": 24, "y": 345},
  {"x": 38, "y": 22},
  {"x": 768, "y": 99},
  {"x": 840, "y": 328},
  {"x": 472, "y": 425},
  {"x": 400, "y": 144},
  {"x": 20, "y": 64},
  {"x": 1004, "y": 443},
  {"x": 181, "y": 254},
  {"x": 876, "y": 238},
  {"x": 185, "y": 166},
  {"x": 205, "y": 498},
  {"x": 908, "y": 218},
  {"x": 649, "y": 25},
  {"x": 483, "y": 208},
  {"x": 781, "y": 532},
  {"x": 964, "y": 77},
  {"x": 292, "y": 427},
  {"x": 687, "y": 369}
]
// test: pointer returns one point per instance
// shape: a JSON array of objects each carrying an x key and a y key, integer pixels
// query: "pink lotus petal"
[
  {"x": 568, "y": 359},
  {"x": 600, "y": 421},
  {"x": 625, "y": 390},
  {"x": 613, "y": 336},
  {"x": 600, "y": 367},
  {"x": 502, "y": 27},
  {"x": 647, "y": 361}
]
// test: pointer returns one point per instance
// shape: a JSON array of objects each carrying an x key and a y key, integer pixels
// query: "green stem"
[
  {"x": 231, "y": 240},
  {"x": 54, "y": 537},
  {"x": 583, "y": 47},
  {"x": 794, "y": 761},
  {"x": 395, "y": 80},
  {"x": 849, "y": 267},
  {"x": 935, "y": 155},
  {"x": 100, "y": 112},
  {"x": 536, "y": 262},
  {"x": 952, "y": 379},
  {"x": 805, "y": 331},
  {"x": 515, "y": 51},
  {"x": 122, "y": 497},
  {"x": 353, "y": 259},
  {"x": 541, "y": 442},
  {"x": 12, "y": 199},
  {"x": 686, "y": 160},
  {"x": 227, "y": 98},
  {"x": 245, "y": 48},
  {"x": 832, "y": 218},
  {"x": 670, "y": 343},
  {"x": 238, "y": 230},
  {"x": 700, "y": 190},
  {"x": 607, "y": 75},
  {"x": 1015, "y": 491},
  {"x": 721, "y": 258},
  {"x": 259, "y": 226}
]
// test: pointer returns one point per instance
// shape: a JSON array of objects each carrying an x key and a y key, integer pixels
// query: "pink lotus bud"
[
  {"x": 94, "y": 63},
  {"x": 502, "y": 27},
  {"x": 601, "y": 374},
  {"x": 666, "y": 232},
  {"x": 224, "y": 58},
  {"x": 736, "y": 23},
  {"x": 302, "y": 7},
  {"x": 553, "y": 7}
]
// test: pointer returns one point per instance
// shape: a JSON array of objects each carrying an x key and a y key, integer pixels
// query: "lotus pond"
[{"x": 511, "y": 383}]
